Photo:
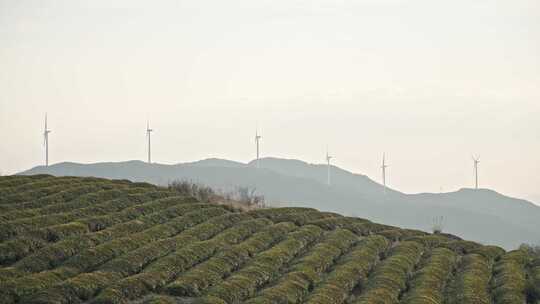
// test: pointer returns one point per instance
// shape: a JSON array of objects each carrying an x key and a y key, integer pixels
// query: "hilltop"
[
  {"x": 92, "y": 240},
  {"x": 481, "y": 215}
]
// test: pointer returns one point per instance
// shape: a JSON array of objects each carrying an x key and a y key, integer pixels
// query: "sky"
[{"x": 428, "y": 82}]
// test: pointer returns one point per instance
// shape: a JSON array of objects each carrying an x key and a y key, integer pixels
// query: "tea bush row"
[
  {"x": 427, "y": 284},
  {"x": 294, "y": 286},
  {"x": 159, "y": 273},
  {"x": 263, "y": 268},
  {"x": 85, "y": 286},
  {"x": 93, "y": 257},
  {"x": 351, "y": 272},
  {"x": 390, "y": 277},
  {"x": 209, "y": 273}
]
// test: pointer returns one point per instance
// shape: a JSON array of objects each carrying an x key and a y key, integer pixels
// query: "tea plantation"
[{"x": 91, "y": 240}]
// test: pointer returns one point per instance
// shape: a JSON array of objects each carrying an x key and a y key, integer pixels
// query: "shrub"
[
  {"x": 264, "y": 267},
  {"x": 350, "y": 273},
  {"x": 204, "y": 275},
  {"x": 390, "y": 276},
  {"x": 471, "y": 282},
  {"x": 427, "y": 284},
  {"x": 509, "y": 282},
  {"x": 294, "y": 286},
  {"x": 164, "y": 270},
  {"x": 19, "y": 247}
]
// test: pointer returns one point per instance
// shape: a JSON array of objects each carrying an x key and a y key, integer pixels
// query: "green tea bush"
[
  {"x": 264, "y": 267},
  {"x": 427, "y": 284},
  {"x": 509, "y": 282},
  {"x": 294, "y": 286},
  {"x": 166, "y": 269},
  {"x": 86, "y": 285},
  {"x": 461, "y": 247},
  {"x": 390, "y": 276},
  {"x": 65, "y": 201},
  {"x": 20, "y": 246},
  {"x": 489, "y": 252},
  {"x": 92, "y": 257},
  {"x": 471, "y": 282},
  {"x": 108, "y": 205},
  {"x": 56, "y": 253},
  {"x": 356, "y": 225},
  {"x": 207, "y": 274},
  {"x": 49, "y": 188},
  {"x": 351, "y": 272}
]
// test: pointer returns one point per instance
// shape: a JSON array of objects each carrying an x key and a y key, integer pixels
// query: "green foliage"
[
  {"x": 209, "y": 273},
  {"x": 90, "y": 240},
  {"x": 427, "y": 284},
  {"x": 471, "y": 282},
  {"x": 532, "y": 289},
  {"x": 92, "y": 257},
  {"x": 509, "y": 282},
  {"x": 294, "y": 286},
  {"x": 390, "y": 276},
  {"x": 351, "y": 272},
  {"x": 264, "y": 267},
  {"x": 164, "y": 270}
]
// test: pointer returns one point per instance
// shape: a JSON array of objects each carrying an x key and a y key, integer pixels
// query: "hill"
[
  {"x": 92, "y": 240},
  {"x": 481, "y": 215}
]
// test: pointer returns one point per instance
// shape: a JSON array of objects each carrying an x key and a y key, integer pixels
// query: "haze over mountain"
[{"x": 482, "y": 215}]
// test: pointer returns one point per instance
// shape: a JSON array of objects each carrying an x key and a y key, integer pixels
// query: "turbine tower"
[
  {"x": 46, "y": 142},
  {"x": 328, "y": 158},
  {"x": 257, "y": 140},
  {"x": 476, "y": 162},
  {"x": 148, "y": 136},
  {"x": 383, "y": 167}
]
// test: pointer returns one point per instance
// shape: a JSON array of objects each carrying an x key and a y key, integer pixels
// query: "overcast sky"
[{"x": 429, "y": 82}]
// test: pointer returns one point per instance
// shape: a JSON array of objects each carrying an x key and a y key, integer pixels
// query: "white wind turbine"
[
  {"x": 46, "y": 132},
  {"x": 476, "y": 161},
  {"x": 383, "y": 167},
  {"x": 328, "y": 158},
  {"x": 148, "y": 136},
  {"x": 257, "y": 140}
]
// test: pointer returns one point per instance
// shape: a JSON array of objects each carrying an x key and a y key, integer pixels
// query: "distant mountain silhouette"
[{"x": 482, "y": 215}]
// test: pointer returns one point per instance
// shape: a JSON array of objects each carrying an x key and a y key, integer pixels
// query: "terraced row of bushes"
[
  {"x": 301, "y": 277},
  {"x": 56, "y": 253},
  {"x": 509, "y": 281},
  {"x": 263, "y": 268},
  {"x": 351, "y": 272},
  {"x": 197, "y": 280},
  {"x": 68, "y": 200},
  {"x": 533, "y": 281},
  {"x": 161, "y": 226},
  {"x": 87, "y": 285},
  {"x": 427, "y": 284},
  {"x": 106, "y": 205},
  {"x": 41, "y": 190},
  {"x": 161, "y": 272},
  {"x": 390, "y": 277},
  {"x": 471, "y": 284},
  {"x": 89, "y": 240},
  {"x": 135, "y": 206}
]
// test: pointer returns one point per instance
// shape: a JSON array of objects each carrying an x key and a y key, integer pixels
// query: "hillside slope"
[
  {"x": 91, "y": 240},
  {"x": 481, "y": 215}
]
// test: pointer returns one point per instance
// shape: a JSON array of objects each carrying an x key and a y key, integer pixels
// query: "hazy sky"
[{"x": 429, "y": 82}]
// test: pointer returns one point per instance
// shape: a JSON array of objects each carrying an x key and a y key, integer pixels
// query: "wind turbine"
[
  {"x": 383, "y": 167},
  {"x": 148, "y": 136},
  {"x": 257, "y": 140},
  {"x": 328, "y": 158},
  {"x": 476, "y": 162},
  {"x": 46, "y": 142}
]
